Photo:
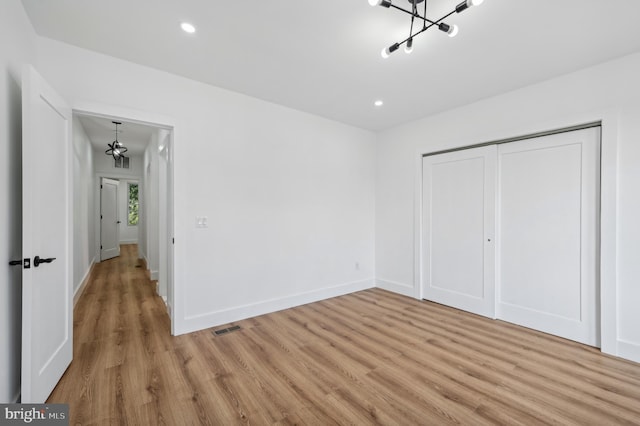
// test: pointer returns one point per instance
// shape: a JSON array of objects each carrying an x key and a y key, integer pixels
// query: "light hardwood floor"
[{"x": 371, "y": 357}]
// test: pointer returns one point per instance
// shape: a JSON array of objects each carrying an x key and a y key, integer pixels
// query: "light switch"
[{"x": 202, "y": 222}]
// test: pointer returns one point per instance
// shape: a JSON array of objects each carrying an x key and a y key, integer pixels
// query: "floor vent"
[{"x": 226, "y": 330}]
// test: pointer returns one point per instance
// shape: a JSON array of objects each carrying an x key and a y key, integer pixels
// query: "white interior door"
[
  {"x": 548, "y": 206},
  {"x": 47, "y": 334},
  {"x": 458, "y": 250},
  {"x": 109, "y": 222}
]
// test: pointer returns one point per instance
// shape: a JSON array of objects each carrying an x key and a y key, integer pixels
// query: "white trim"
[
  {"x": 153, "y": 276},
  {"x": 396, "y": 287},
  {"x": 128, "y": 242},
  {"x": 628, "y": 350},
  {"x": 237, "y": 313},
  {"x": 83, "y": 283}
]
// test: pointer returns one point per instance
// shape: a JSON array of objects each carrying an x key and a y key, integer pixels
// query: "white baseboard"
[
  {"x": 395, "y": 287},
  {"x": 629, "y": 350},
  {"x": 83, "y": 284},
  {"x": 212, "y": 319},
  {"x": 129, "y": 242}
]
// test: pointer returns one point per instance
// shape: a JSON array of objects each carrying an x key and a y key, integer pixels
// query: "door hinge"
[
  {"x": 173, "y": 241},
  {"x": 101, "y": 217},
  {"x": 100, "y": 186},
  {"x": 100, "y": 247}
]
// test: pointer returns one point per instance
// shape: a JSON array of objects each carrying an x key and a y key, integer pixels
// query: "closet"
[{"x": 510, "y": 231}]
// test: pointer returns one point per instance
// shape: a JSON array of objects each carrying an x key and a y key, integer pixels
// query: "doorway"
[
  {"x": 146, "y": 141},
  {"x": 109, "y": 219}
]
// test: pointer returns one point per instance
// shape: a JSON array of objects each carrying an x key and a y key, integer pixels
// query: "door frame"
[
  {"x": 607, "y": 276},
  {"x": 163, "y": 122},
  {"x": 97, "y": 207}
]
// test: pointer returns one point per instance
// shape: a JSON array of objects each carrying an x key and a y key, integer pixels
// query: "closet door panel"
[
  {"x": 547, "y": 228},
  {"x": 458, "y": 225}
]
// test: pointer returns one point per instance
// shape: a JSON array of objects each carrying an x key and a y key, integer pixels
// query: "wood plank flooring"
[{"x": 371, "y": 357}]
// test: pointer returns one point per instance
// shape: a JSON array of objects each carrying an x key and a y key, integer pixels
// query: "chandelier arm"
[
  {"x": 413, "y": 16},
  {"x": 424, "y": 23},
  {"x": 431, "y": 24},
  {"x": 425, "y": 19}
]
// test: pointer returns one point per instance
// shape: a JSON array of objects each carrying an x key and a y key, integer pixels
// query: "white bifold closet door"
[
  {"x": 458, "y": 226},
  {"x": 547, "y": 246}
]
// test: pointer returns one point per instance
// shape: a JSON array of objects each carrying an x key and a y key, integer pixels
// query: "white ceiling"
[
  {"x": 323, "y": 57},
  {"x": 102, "y": 131}
]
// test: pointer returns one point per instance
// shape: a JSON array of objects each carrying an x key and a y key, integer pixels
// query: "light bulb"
[
  {"x": 408, "y": 48},
  {"x": 389, "y": 50},
  {"x": 378, "y": 103},
  {"x": 453, "y": 31},
  {"x": 374, "y": 2},
  {"x": 475, "y": 2}
]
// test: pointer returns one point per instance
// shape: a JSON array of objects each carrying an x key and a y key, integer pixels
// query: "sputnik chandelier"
[
  {"x": 427, "y": 23},
  {"x": 116, "y": 149}
]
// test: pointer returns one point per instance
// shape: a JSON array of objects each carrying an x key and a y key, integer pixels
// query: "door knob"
[{"x": 37, "y": 260}]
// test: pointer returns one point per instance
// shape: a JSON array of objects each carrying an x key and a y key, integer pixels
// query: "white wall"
[
  {"x": 289, "y": 196},
  {"x": 85, "y": 247},
  {"x": 128, "y": 233},
  {"x": 17, "y": 46},
  {"x": 608, "y": 92}
]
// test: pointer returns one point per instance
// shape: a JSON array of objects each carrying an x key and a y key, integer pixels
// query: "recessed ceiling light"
[
  {"x": 378, "y": 103},
  {"x": 188, "y": 28}
]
